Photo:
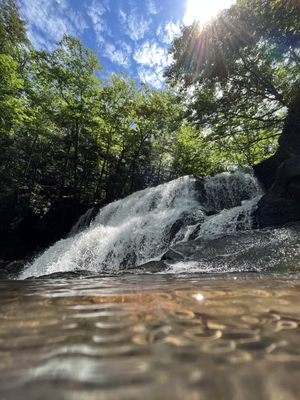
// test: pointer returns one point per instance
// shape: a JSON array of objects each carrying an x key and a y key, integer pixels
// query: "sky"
[{"x": 131, "y": 36}]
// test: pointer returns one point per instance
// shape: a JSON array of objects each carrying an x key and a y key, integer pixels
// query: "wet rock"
[
  {"x": 172, "y": 255},
  {"x": 57, "y": 223},
  {"x": 249, "y": 251},
  {"x": 65, "y": 275},
  {"x": 175, "y": 228},
  {"x": 18, "y": 235},
  {"x": 200, "y": 189},
  {"x": 149, "y": 267},
  {"x": 289, "y": 146},
  {"x": 280, "y": 176},
  {"x": 281, "y": 203},
  {"x": 85, "y": 220}
]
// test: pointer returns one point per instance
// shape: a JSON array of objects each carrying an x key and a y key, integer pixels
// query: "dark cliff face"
[
  {"x": 280, "y": 176},
  {"x": 289, "y": 146}
]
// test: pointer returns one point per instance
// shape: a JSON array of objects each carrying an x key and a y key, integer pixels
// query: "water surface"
[{"x": 151, "y": 337}]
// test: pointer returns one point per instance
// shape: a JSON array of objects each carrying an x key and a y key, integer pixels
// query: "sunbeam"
[{"x": 203, "y": 11}]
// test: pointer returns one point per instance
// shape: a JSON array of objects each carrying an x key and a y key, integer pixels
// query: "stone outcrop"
[
  {"x": 281, "y": 203},
  {"x": 248, "y": 251},
  {"x": 289, "y": 147},
  {"x": 280, "y": 176}
]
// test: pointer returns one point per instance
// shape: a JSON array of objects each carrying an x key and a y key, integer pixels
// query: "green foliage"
[
  {"x": 11, "y": 84},
  {"x": 12, "y": 28},
  {"x": 244, "y": 71},
  {"x": 66, "y": 133},
  {"x": 193, "y": 154}
]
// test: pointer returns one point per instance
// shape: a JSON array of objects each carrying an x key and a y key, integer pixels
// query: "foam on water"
[{"x": 142, "y": 226}]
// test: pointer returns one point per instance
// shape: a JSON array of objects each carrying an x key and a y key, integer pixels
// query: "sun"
[{"x": 204, "y": 10}]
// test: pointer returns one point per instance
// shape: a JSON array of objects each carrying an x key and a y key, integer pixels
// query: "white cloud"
[
  {"x": 136, "y": 26},
  {"x": 119, "y": 54},
  {"x": 49, "y": 20},
  {"x": 122, "y": 16},
  {"x": 150, "y": 76},
  {"x": 96, "y": 11},
  {"x": 38, "y": 41},
  {"x": 152, "y": 61},
  {"x": 152, "y": 55},
  {"x": 168, "y": 32},
  {"x": 152, "y": 8},
  {"x": 172, "y": 30}
]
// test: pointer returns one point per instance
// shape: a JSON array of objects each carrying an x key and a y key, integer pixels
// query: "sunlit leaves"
[{"x": 244, "y": 71}]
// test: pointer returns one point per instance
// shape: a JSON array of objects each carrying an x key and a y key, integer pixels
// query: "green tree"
[
  {"x": 244, "y": 71},
  {"x": 67, "y": 77},
  {"x": 12, "y": 103},
  {"x": 193, "y": 155},
  {"x": 12, "y": 28}
]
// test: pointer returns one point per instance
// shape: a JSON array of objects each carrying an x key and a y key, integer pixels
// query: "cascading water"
[
  {"x": 142, "y": 226},
  {"x": 228, "y": 190}
]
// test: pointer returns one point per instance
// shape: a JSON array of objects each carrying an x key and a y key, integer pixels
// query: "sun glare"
[{"x": 204, "y": 10}]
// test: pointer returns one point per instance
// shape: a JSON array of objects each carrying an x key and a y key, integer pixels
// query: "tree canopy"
[
  {"x": 240, "y": 74},
  {"x": 65, "y": 132}
]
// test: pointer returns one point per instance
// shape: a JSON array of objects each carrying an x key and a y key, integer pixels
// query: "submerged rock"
[{"x": 64, "y": 275}]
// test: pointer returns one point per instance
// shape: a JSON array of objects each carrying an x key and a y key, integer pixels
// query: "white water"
[
  {"x": 142, "y": 226},
  {"x": 227, "y": 190},
  {"x": 229, "y": 220}
]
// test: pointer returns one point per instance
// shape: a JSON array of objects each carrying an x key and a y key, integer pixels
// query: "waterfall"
[
  {"x": 84, "y": 221},
  {"x": 142, "y": 226},
  {"x": 227, "y": 190},
  {"x": 229, "y": 220}
]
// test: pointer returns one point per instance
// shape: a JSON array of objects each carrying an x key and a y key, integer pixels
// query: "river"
[
  {"x": 219, "y": 320},
  {"x": 152, "y": 337}
]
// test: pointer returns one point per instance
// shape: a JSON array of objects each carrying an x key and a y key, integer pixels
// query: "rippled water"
[{"x": 151, "y": 337}]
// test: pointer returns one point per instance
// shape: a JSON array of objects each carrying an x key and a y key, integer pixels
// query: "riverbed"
[{"x": 196, "y": 336}]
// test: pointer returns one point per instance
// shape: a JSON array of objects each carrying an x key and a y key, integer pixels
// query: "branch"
[{"x": 265, "y": 82}]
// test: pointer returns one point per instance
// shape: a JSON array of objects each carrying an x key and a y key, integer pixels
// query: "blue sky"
[{"x": 132, "y": 36}]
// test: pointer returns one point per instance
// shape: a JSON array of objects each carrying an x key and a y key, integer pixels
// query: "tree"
[
  {"x": 12, "y": 104},
  {"x": 12, "y": 28},
  {"x": 65, "y": 81},
  {"x": 244, "y": 70},
  {"x": 193, "y": 155}
]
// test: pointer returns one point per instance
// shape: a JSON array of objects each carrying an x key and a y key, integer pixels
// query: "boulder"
[
  {"x": 289, "y": 146},
  {"x": 266, "y": 250},
  {"x": 281, "y": 203},
  {"x": 280, "y": 175}
]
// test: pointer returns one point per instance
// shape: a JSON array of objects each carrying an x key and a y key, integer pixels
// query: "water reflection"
[{"x": 156, "y": 337}]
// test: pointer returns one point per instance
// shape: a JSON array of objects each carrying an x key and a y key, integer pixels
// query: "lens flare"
[{"x": 203, "y": 10}]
